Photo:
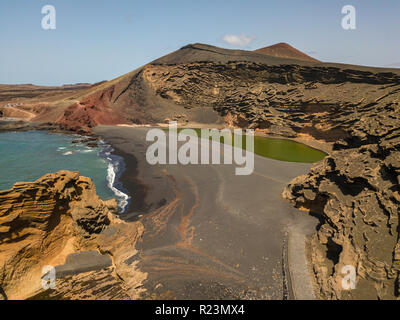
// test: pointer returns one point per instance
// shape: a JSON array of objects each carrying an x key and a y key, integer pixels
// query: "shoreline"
[
  {"x": 126, "y": 179},
  {"x": 115, "y": 169}
]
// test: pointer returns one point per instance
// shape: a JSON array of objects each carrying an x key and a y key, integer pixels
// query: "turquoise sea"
[{"x": 26, "y": 156}]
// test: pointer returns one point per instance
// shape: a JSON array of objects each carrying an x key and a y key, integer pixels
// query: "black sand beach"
[{"x": 210, "y": 234}]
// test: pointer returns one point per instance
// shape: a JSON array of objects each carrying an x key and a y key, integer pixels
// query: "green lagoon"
[
  {"x": 278, "y": 149},
  {"x": 286, "y": 150}
]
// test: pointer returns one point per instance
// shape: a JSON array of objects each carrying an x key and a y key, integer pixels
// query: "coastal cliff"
[{"x": 59, "y": 221}]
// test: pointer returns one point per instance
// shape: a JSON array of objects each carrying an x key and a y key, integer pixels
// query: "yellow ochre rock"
[{"x": 43, "y": 222}]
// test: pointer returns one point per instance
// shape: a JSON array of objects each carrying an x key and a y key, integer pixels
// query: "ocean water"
[{"x": 26, "y": 156}]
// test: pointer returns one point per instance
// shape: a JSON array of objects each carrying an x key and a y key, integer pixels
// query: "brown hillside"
[
  {"x": 284, "y": 50},
  {"x": 195, "y": 84}
]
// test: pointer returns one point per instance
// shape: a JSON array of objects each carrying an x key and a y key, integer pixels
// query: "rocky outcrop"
[
  {"x": 92, "y": 110},
  {"x": 355, "y": 192},
  {"x": 20, "y": 125},
  {"x": 324, "y": 102},
  {"x": 54, "y": 221}
]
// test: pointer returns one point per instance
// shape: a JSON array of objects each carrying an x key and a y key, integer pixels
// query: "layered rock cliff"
[
  {"x": 355, "y": 192},
  {"x": 60, "y": 221}
]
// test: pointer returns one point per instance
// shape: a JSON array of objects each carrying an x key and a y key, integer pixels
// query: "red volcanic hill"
[
  {"x": 284, "y": 50},
  {"x": 192, "y": 85}
]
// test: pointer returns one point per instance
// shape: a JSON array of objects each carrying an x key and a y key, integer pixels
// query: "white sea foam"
[
  {"x": 122, "y": 198},
  {"x": 67, "y": 153}
]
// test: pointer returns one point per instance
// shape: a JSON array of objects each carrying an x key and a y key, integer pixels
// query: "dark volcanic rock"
[
  {"x": 324, "y": 102},
  {"x": 92, "y": 144},
  {"x": 356, "y": 194}
]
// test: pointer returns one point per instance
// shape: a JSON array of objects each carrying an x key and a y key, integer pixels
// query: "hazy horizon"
[{"x": 99, "y": 40}]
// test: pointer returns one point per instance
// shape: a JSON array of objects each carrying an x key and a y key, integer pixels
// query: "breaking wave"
[{"x": 116, "y": 167}]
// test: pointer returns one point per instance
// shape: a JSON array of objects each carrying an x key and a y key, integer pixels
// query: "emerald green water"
[
  {"x": 286, "y": 150},
  {"x": 279, "y": 149}
]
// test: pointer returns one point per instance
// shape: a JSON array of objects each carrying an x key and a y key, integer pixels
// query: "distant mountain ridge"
[{"x": 284, "y": 50}]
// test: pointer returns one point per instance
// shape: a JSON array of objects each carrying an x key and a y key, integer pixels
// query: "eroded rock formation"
[
  {"x": 355, "y": 192},
  {"x": 42, "y": 223}
]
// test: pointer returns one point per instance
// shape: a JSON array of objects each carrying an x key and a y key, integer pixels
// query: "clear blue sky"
[{"x": 101, "y": 39}]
